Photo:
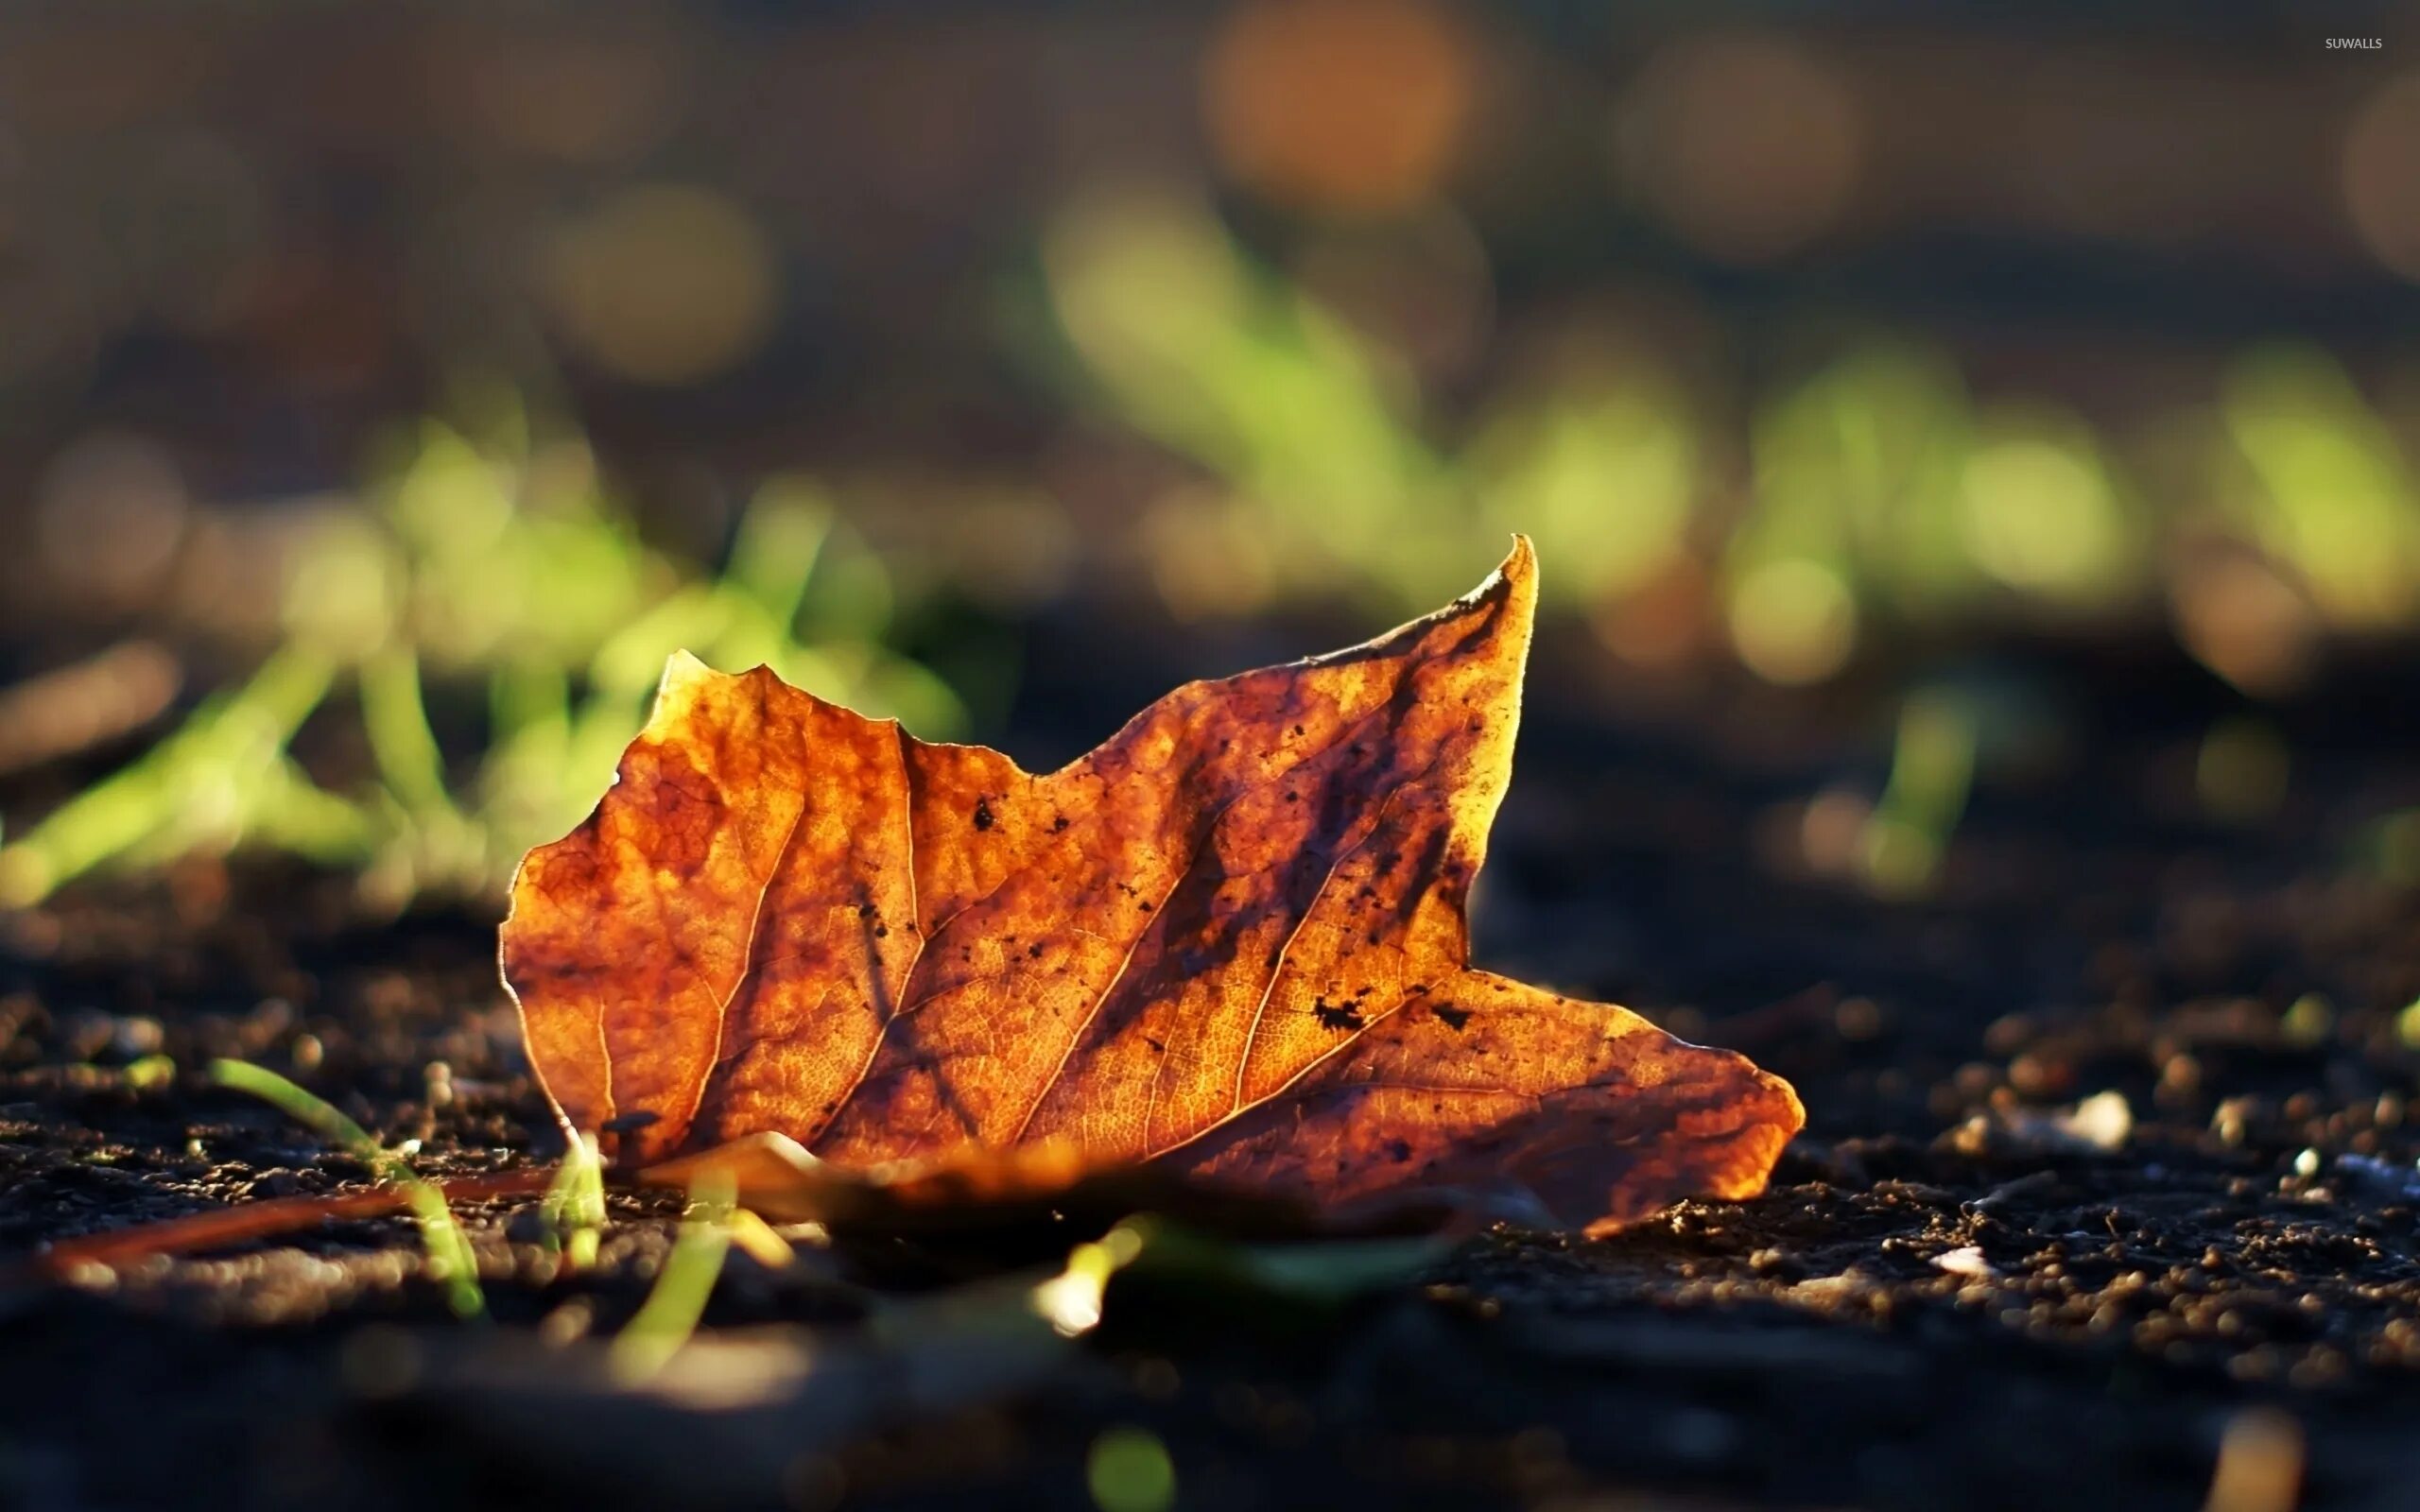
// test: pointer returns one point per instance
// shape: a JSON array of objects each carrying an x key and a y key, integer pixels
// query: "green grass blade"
[
  {"x": 396, "y": 719},
  {"x": 574, "y": 1207},
  {"x": 224, "y": 751},
  {"x": 450, "y": 1259},
  {"x": 670, "y": 1314}
]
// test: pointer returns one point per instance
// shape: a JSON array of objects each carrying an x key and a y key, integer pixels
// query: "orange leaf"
[{"x": 1230, "y": 942}]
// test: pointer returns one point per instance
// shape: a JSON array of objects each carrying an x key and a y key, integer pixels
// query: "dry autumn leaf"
[{"x": 1229, "y": 942}]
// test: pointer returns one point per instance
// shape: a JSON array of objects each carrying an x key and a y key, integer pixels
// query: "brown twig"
[
  {"x": 262, "y": 1220},
  {"x": 71, "y": 709}
]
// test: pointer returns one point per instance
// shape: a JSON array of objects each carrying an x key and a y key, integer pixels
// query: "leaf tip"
[
  {"x": 1522, "y": 563},
  {"x": 682, "y": 672},
  {"x": 1515, "y": 582},
  {"x": 683, "y": 685}
]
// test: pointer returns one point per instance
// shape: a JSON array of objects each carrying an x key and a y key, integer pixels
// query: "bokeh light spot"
[
  {"x": 1793, "y": 620},
  {"x": 341, "y": 597},
  {"x": 109, "y": 514},
  {"x": 1747, "y": 144},
  {"x": 1207, "y": 558},
  {"x": 1141, "y": 279},
  {"x": 1661, "y": 623},
  {"x": 2335, "y": 499},
  {"x": 1129, "y": 1471},
  {"x": 2238, "y": 617},
  {"x": 1349, "y": 106},
  {"x": 2379, "y": 174},
  {"x": 663, "y": 284},
  {"x": 2040, "y": 517},
  {"x": 1603, "y": 479}
]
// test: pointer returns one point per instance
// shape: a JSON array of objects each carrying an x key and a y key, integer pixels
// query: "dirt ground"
[{"x": 1959, "y": 1292}]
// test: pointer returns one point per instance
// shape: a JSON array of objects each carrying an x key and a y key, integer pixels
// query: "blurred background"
[{"x": 1893, "y": 391}]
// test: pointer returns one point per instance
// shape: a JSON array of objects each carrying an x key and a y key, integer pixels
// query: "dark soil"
[{"x": 2107, "y": 1317}]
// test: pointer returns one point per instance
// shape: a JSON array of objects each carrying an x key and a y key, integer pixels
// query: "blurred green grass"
[
  {"x": 1872, "y": 500},
  {"x": 502, "y": 574}
]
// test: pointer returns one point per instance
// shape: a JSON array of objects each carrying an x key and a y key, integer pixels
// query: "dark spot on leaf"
[
  {"x": 1333, "y": 1016},
  {"x": 1455, "y": 1018},
  {"x": 982, "y": 813},
  {"x": 1058, "y": 824}
]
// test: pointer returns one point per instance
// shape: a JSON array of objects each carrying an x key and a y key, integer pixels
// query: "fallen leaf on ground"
[{"x": 1229, "y": 943}]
